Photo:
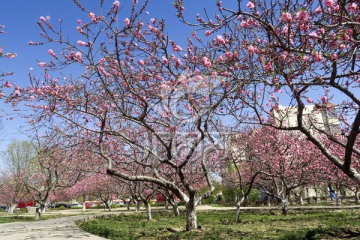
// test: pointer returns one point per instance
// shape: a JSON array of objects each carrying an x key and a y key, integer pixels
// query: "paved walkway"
[
  {"x": 60, "y": 228},
  {"x": 65, "y": 227}
]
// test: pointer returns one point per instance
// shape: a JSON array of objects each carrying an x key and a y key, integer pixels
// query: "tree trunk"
[
  {"x": 107, "y": 205},
  {"x": 37, "y": 214},
  {"x": 238, "y": 209},
  {"x": 301, "y": 200},
  {"x": 11, "y": 208},
  {"x": 148, "y": 211},
  {"x": 268, "y": 201},
  {"x": 128, "y": 205},
  {"x": 166, "y": 205},
  {"x": 137, "y": 208},
  {"x": 338, "y": 198},
  {"x": 285, "y": 205},
  {"x": 316, "y": 195},
  {"x": 191, "y": 218},
  {"x": 175, "y": 208},
  {"x": 39, "y": 211},
  {"x": 357, "y": 198}
]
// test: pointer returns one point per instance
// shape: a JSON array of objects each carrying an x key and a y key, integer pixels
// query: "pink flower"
[
  {"x": 228, "y": 55},
  {"x": 244, "y": 24},
  {"x": 102, "y": 71},
  {"x": 285, "y": 30},
  {"x": 8, "y": 85},
  {"x": 206, "y": 62},
  {"x": 220, "y": 39},
  {"x": 10, "y": 55},
  {"x": 165, "y": 60},
  {"x": 284, "y": 55},
  {"x": 302, "y": 15},
  {"x": 321, "y": 30},
  {"x": 79, "y": 21},
  {"x": 220, "y": 58},
  {"x": 141, "y": 62},
  {"x": 78, "y": 56},
  {"x": 208, "y": 33},
  {"x": 251, "y": 49},
  {"x": 42, "y": 64},
  {"x": 329, "y": 3},
  {"x": 127, "y": 21},
  {"x": 225, "y": 74},
  {"x": 92, "y": 16},
  {"x": 42, "y": 19},
  {"x": 177, "y": 48},
  {"x": 309, "y": 100},
  {"x": 286, "y": 17},
  {"x": 324, "y": 99},
  {"x": 318, "y": 10},
  {"x": 149, "y": 27},
  {"x": 352, "y": 7},
  {"x": 342, "y": 47},
  {"x": 178, "y": 62},
  {"x": 313, "y": 34},
  {"x": 51, "y": 52},
  {"x": 250, "y": 5},
  {"x": 268, "y": 66},
  {"x": 2, "y": 94},
  {"x": 305, "y": 58},
  {"x": 81, "y": 43},
  {"x": 317, "y": 57},
  {"x": 116, "y": 4}
]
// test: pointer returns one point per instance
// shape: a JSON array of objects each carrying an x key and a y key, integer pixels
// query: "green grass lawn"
[
  {"x": 19, "y": 217},
  {"x": 221, "y": 225},
  {"x": 15, "y": 218}
]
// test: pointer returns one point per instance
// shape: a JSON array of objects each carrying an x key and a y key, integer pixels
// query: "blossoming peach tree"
[
  {"x": 292, "y": 53},
  {"x": 55, "y": 168},
  {"x": 287, "y": 162},
  {"x": 140, "y": 100}
]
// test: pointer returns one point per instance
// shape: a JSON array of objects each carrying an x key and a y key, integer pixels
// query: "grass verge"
[
  {"x": 18, "y": 218},
  {"x": 221, "y": 225}
]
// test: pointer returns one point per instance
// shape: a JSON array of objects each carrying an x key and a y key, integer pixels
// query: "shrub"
[
  {"x": 254, "y": 196},
  {"x": 209, "y": 200},
  {"x": 159, "y": 204}
]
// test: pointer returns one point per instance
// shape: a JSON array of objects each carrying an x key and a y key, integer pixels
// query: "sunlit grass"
[
  {"x": 221, "y": 225},
  {"x": 16, "y": 217}
]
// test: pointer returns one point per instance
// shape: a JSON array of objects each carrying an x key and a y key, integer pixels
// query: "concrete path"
[{"x": 59, "y": 229}]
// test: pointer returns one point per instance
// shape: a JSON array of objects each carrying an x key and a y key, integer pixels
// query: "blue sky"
[{"x": 20, "y": 19}]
